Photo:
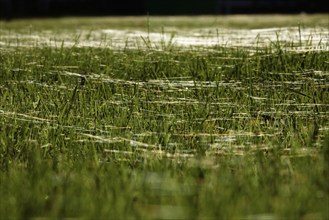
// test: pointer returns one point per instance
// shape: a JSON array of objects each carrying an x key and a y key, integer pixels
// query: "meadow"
[{"x": 209, "y": 117}]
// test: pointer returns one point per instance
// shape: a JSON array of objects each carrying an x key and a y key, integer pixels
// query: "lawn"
[{"x": 203, "y": 117}]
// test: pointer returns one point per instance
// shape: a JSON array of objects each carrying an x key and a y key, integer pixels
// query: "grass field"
[{"x": 165, "y": 118}]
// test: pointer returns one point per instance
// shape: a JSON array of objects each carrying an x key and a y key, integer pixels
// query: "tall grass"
[{"x": 163, "y": 134}]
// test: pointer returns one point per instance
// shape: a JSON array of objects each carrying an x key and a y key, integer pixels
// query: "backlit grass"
[{"x": 163, "y": 132}]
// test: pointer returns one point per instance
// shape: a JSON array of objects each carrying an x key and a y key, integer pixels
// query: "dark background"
[{"x": 52, "y": 8}]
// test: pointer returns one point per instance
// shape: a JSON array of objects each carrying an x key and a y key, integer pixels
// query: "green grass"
[
  {"x": 216, "y": 133},
  {"x": 157, "y": 22}
]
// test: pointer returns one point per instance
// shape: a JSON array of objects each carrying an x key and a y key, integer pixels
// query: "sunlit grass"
[{"x": 163, "y": 131}]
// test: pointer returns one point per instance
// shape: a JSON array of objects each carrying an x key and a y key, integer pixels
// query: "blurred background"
[{"x": 51, "y": 8}]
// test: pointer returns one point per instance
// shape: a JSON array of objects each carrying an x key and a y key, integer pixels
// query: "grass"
[{"x": 161, "y": 131}]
